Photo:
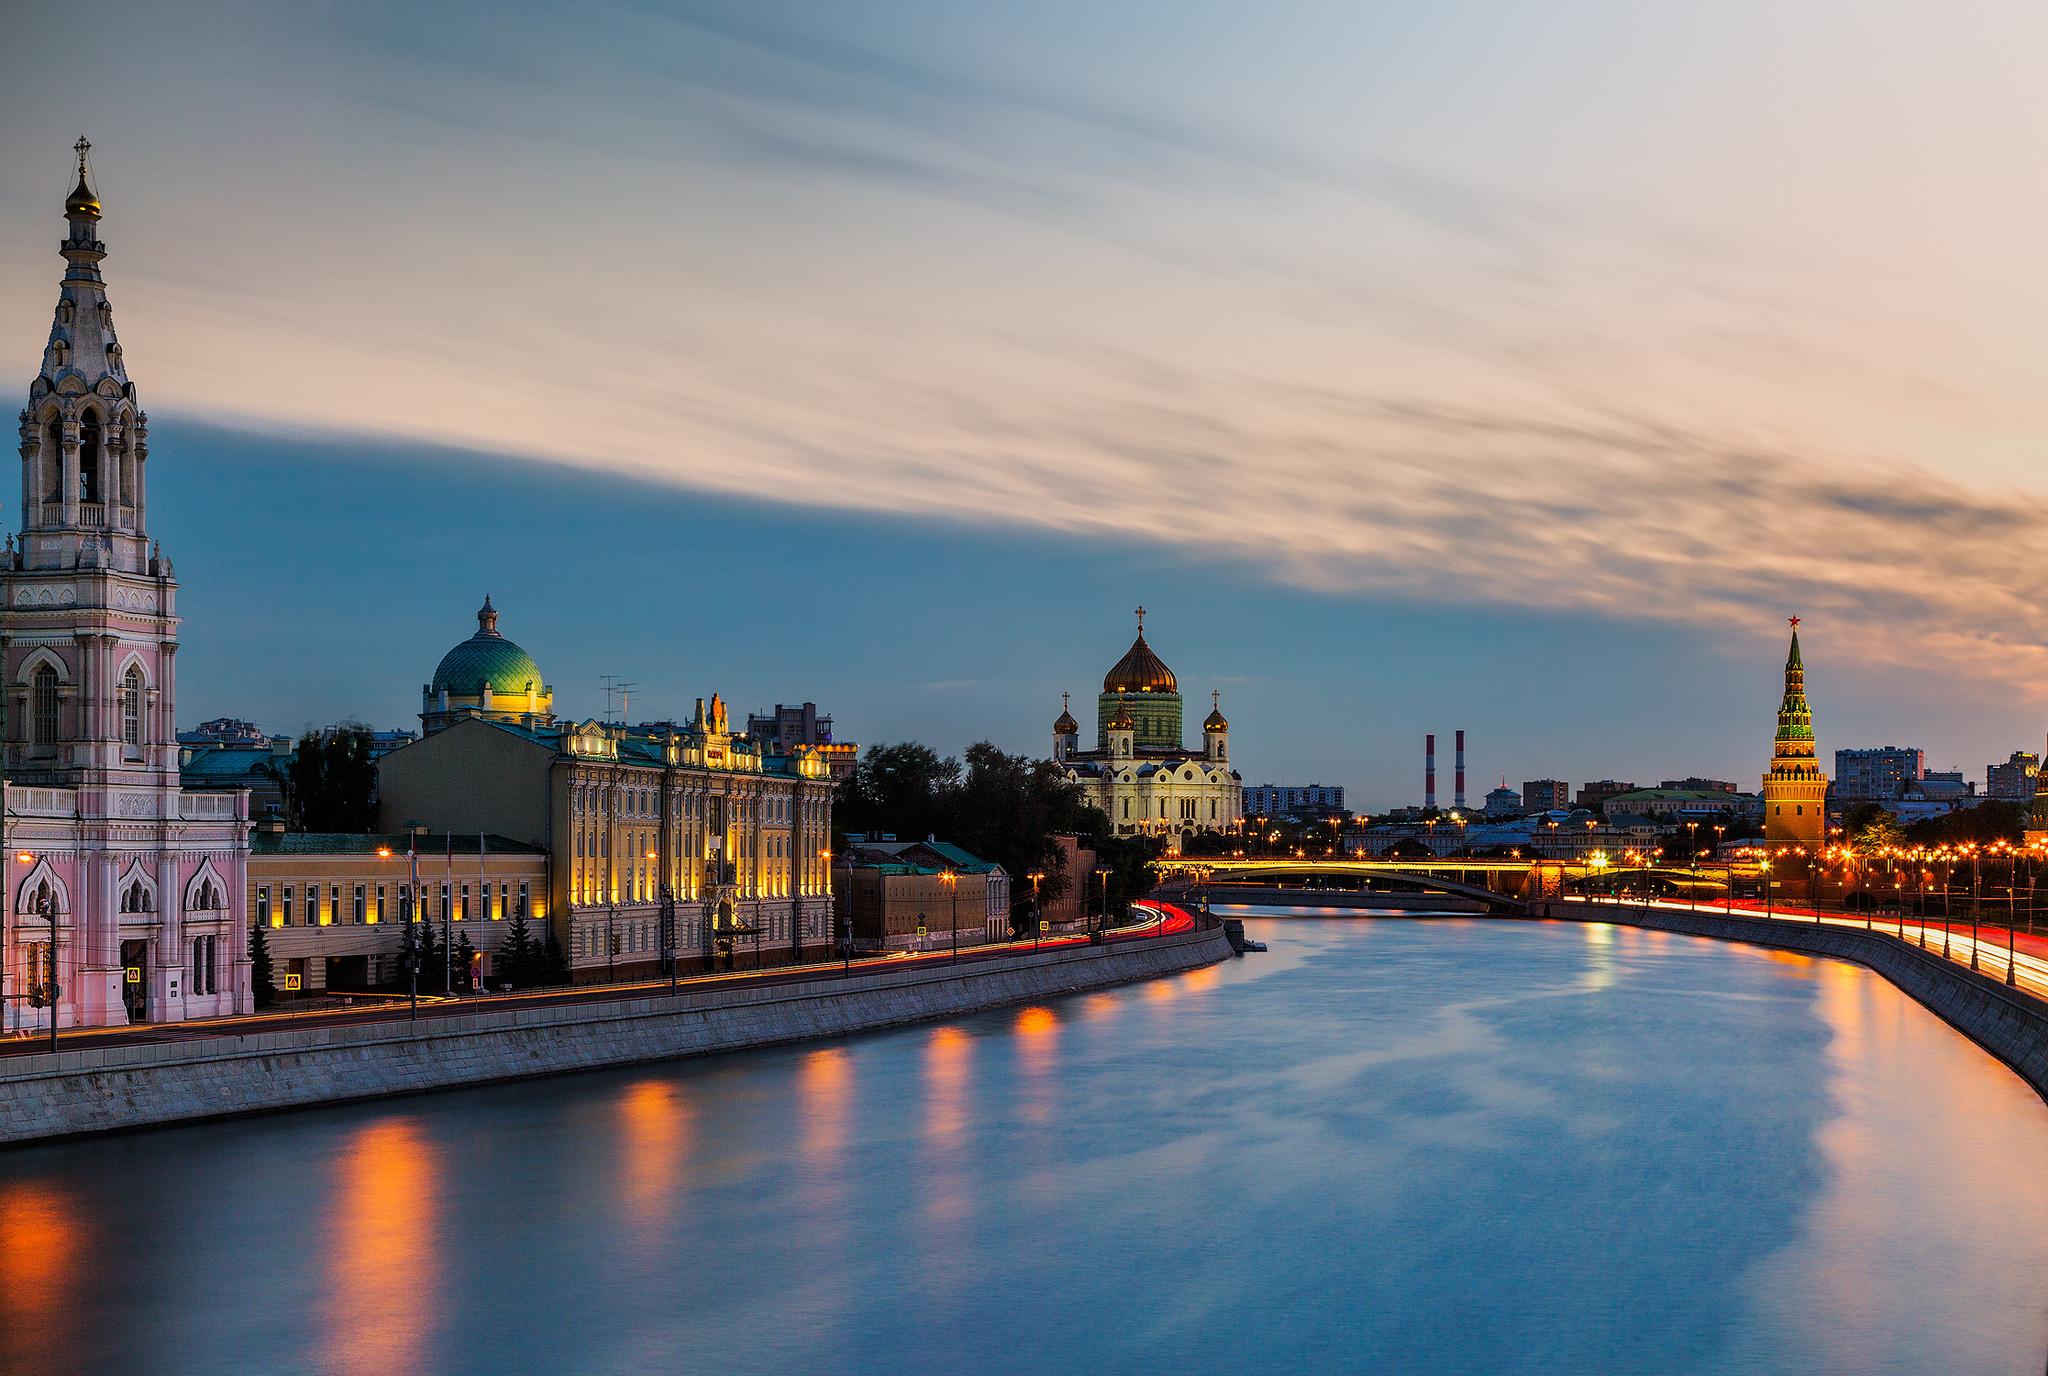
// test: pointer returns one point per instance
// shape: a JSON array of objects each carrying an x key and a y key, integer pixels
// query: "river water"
[{"x": 1430, "y": 1146}]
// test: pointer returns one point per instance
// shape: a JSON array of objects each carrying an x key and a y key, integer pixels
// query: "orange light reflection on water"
[
  {"x": 824, "y": 1091},
  {"x": 40, "y": 1245},
  {"x": 382, "y": 1298},
  {"x": 654, "y": 1139}
]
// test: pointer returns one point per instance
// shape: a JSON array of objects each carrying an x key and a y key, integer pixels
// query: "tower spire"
[{"x": 1795, "y": 791}]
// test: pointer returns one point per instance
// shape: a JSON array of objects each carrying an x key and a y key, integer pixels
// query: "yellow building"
[
  {"x": 334, "y": 905},
  {"x": 692, "y": 832},
  {"x": 1795, "y": 791}
]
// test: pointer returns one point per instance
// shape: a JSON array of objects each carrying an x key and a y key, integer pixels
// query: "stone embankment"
[
  {"x": 2009, "y": 1023},
  {"x": 86, "y": 1091}
]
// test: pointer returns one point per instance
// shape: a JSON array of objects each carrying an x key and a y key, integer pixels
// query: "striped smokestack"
[
  {"x": 1458, "y": 781},
  {"x": 1429, "y": 771}
]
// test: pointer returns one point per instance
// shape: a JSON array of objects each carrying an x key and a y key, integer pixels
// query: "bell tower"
[
  {"x": 1795, "y": 791},
  {"x": 126, "y": 894},
  {"x": 91, "y": 628}
]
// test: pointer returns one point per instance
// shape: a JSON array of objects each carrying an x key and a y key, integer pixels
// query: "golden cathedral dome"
[{"x": 1140, "y": 671}]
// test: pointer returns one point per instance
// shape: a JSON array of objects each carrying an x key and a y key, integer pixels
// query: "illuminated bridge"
[{"x": 1492, "y": 885}]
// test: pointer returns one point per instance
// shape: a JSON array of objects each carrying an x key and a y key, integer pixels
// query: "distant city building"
[
  {"x": 1546, "y": 795},
  {"x": 1941, "y": 786},
  {"x": 1681, "y": 804},
  {"x": 1503, "y": 802},
  {"x": 1593, "y": 795},
  {"x": 2013, "y": 781},
  {"x": 787, "y": 728},
  {"x": 1795, "y": 791},
  {"x": 888, "y": 890},
  {"x": 2037, "y": 812},
  {"x": 224, "y": 731},
  {"x": 1695, "y": 784},
  {"x": 1306, "y": 801},
  {"x": 1877, "y": 774},
  {"x": 335, "y": 905},
  {"x": 1140, "y": 774}
]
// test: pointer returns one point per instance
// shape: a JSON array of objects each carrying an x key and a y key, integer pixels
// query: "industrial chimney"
[
  {"x": 1429, "y": 770},
  {"x": 1458, "y": 789}
]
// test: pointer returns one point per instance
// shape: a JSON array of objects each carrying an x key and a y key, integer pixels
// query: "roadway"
[
  {"x": 1161, "y": 919},
  {"x": 2030, "y": 952}
]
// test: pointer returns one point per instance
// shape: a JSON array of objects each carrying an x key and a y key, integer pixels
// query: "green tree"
[
  {"x": 898, "y": 788},
  {"x": 465, "y": 962},
  {"x": 1989, "y": 821},
  {"x": 330, "y": 782},
  {"x": 1871, "y": 835},
  {"x": 554, "y": 965},
  {"x": 262, "y": 978},
  {"x": 519, "y": 955},
  {"x": 424, "y": 947}
]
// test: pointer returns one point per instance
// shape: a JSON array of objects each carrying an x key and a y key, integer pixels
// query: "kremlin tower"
[{"x": 1795, "y": 791}]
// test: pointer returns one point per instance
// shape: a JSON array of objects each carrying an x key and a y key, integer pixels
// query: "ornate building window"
[
  {"x": 132, "y": 691},
  {"x": 43, "y": 708},
  {"x": 89, "y": 458}
]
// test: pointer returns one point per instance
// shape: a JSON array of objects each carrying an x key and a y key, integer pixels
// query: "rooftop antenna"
[{"x": 615, "y": 688}]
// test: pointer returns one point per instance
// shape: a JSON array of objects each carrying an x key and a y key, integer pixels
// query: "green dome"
[{"x": 486, "y": 657}]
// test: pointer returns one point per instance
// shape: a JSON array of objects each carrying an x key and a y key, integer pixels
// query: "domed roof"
[
  {"x": 486, "y": 657},
  {"x": 83, "y": 200},
  {"x": 1123, "y": 720},
  {"x": 1139, "y": 671},
  {"x": 1215, "y": 721},
  {"x": 1065, "y": 725}
]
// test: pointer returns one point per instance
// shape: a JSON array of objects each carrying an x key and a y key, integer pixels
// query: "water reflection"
[
  {"x": 1595, "y": 1152},
  {"x": 40, "y": 1243},
  {"x": 654, "y": 1142},
  {"x": 382, "y": 1297}
]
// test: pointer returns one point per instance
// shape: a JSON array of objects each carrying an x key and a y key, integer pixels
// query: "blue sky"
[{"x": 1514, "y": 367}]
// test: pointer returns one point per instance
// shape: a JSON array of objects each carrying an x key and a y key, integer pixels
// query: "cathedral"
[
  {"x": 125, "y": 895},
  {"x": 1139, "y": 772},
  {"x": 1795, "y": 791}
]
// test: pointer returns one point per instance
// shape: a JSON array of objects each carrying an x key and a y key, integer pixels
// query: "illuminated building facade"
[
  {"x": 334, "y": 905},
  {"x": 1139, "y": 773},
  {"x": 690, "y": 824},
  {"x": 125, "y": 889},
  {"x": 1795, "y": 791}
]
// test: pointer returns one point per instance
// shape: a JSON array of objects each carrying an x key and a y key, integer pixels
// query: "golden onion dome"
[
  {"x": 1215, "y": 721},
  {"x": 1066, "y": 725},
  {"x": 83, "y": 201},
  {"x": 1140, "y": 671},
  {"x": 1123, "y": 721}
]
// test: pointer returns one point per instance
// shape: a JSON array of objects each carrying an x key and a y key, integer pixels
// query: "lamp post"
[
  {"x": 1765, "y": 866},
  {"x": 951, "y": 879},
  {"x": 46, "y": 908},
  {"x": 1037, "y": 922},
  {"x": 1692, "y": 855},
  {"x": 1976, "y": 890}
]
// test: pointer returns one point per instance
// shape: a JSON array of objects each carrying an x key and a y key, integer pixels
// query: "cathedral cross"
[
  {"x": 1141, "y": 618},
  {"x": 82, "y": 147}
]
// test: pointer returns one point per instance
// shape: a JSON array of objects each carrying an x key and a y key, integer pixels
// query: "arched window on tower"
[
  {"x": 43, "y": 709},
  {"x": 89, "y": 457},
  {"x": 132, "y": 692},
  {"x": 53, "y": 462}
]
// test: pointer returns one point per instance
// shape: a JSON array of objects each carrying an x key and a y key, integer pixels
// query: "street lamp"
[
  {"x": 951, "y": 879},
  {"x": 47, "y": 909},
  {"x": 1037, "y": 922}
]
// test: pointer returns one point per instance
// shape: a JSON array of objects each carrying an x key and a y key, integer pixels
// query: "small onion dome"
[
  {"x": 1066, "y": 725},
  {"x": 1214, "y": 721},
  {"x": 1139, "y": 671},
  {"x": 1123, "y": 721},
  {"x": 83, "y": 201}
]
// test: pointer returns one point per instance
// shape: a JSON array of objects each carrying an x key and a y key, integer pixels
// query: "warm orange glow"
[
  {"x": 382, "y": 1221},
  {"x": 25, "y": 857},
  {"x": 946, "y": 1063},
  {"x": 40, "y": 1249}
]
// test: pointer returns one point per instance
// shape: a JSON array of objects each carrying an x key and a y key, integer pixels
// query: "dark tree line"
[
  {"x": 330, "y": 781},
  {"x": 1003, "y": 808}
]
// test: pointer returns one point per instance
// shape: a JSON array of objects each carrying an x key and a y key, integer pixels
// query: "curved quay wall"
[
  {"x": 2010, "y": 1024},
  {"x": 89, "y": 1091}
]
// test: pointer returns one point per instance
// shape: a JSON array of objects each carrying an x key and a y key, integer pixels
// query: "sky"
[{"x": 1511, "y": 367}]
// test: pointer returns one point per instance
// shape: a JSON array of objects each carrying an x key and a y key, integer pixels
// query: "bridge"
[{"x": 1497, "y": 885}]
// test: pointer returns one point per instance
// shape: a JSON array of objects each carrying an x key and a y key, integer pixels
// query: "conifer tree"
[
  {"x": 262, "y": 979},
  {"x": 518, "y": 957},
  {"x": 465, "y": 962}
]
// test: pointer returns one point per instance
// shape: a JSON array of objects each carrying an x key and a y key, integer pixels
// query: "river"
[{"x": 1429, "y": 1146}]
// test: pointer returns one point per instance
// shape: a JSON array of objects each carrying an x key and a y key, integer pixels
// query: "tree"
[
  {"x": 554, "y": 965},
  {"x": 262, "y": 979},
  {"x": 465, "y": 962},
  {"x": 1874, "y": 834},
  {"x": 330, "y": 782},
  {"x": 1989, "y": 821},
  {"x": 897, "y": 788},
  {"x": 519, "y": 956},
  {"x": 423, "y": 946}
]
